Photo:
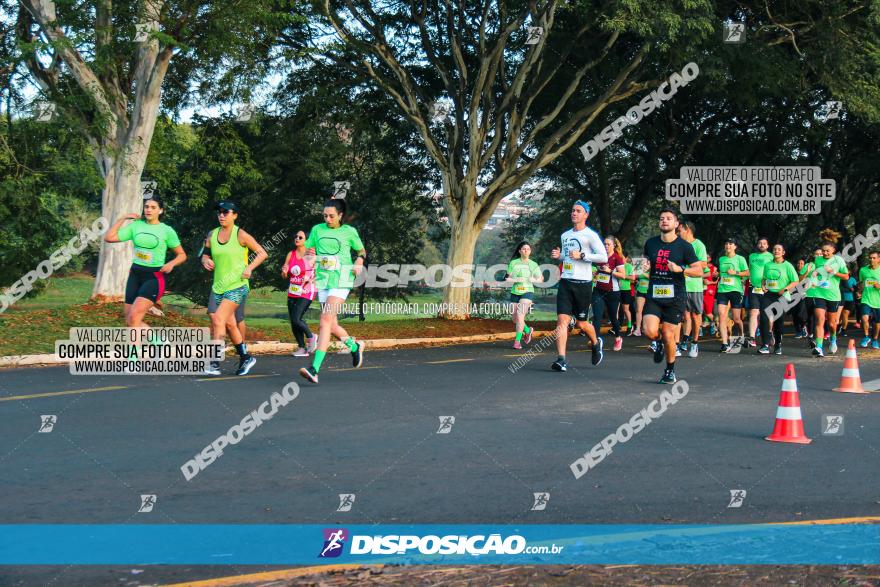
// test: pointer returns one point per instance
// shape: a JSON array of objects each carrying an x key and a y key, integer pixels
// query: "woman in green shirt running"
[
  {"x": 642, "y": 275},
  {"x": 152, "y": 238},
  {"x": 333, "y": 242},
  {"x": 778, "y": 278},
  {"x": 825, "y": 295},
  {"x": 226, "y": 254},
  {"x": 522, "y": 274}
]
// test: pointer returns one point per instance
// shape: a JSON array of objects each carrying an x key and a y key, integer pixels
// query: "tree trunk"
[
  {"x": 122, "y": 195},
  {"x": 457, "y": 300}
]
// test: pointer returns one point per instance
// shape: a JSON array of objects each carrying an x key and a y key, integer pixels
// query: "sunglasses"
[
  {"x": 223, "y": 212},
  {"x": 299, "y": 238}
]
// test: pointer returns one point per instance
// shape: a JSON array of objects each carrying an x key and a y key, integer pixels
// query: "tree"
[
  {"x": 494, "y": 69},
  {"x": 103, "y": 65}
]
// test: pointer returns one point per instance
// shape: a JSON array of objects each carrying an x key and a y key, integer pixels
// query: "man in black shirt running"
[{"x": 672, "y": 259}]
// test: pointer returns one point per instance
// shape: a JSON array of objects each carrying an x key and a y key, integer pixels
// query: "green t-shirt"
[
  {"x": 779, "y": 275},
  {"x": 870, "y": 294},
  {"x": 695, "y": 284},
  {"x": 826, "y": 287},
  {"x": 625, "y": 284},
  {"x": 151, "y": 242},
  {"x": 756, "y": 267},
  {"x": 230, "y": 261},
  {"x": 333, "y": 247},
  {"x": 643, "y": 283},
  {"x": 731, "y": 282},
  {"x": 517, "y": 268}
]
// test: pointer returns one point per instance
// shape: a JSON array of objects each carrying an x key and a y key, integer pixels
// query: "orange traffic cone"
[
  {"x": 789, "y": 426},
  {"x": 850, "y": 380}
]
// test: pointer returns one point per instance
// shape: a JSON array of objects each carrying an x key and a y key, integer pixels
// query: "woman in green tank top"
[{"x": 226, "y": 254}]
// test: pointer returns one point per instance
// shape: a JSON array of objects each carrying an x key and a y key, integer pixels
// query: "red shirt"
[{"x": 604, "y": 280}]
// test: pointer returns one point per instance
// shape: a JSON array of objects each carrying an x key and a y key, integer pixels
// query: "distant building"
[{"x": 509, "y": 208}]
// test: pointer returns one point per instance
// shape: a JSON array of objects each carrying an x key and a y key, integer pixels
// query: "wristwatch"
[{"x": 583, "y": 254}]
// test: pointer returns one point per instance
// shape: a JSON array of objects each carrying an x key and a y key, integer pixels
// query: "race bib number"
[
  {"x": 328, "y": 262},
  {"x": 871, "y": 282},
  {"x": 772, "y": 284},
  {"x": 757, "y": 290},
  {"x": 824, "y": 284},
  {"x": 567, "y": 266},
  {"x": 728, "y": 280},
  {"x": 143, "y": 256},
  {"x": 664, "y": 291},
  {"x": 295, "y": 289},
  {"x": 604, "y": 278}
]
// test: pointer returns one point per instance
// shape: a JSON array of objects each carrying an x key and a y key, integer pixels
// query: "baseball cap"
[{"x": 226, "y": 205}]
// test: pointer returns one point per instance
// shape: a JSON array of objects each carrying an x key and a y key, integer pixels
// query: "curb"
[{"x": 275, "y": 347}]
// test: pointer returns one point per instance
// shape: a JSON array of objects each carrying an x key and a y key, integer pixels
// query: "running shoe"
[
  {"x": 618, "y": 343},
  {"x": 658, "y": 351},
  {"x": 638, "y": 332},
  {"x": 875, "y": 344},
  {"x": 777, "y": 350},
  {"x": 312, "y": 344},
  {"x": 560, "y": 365},
  {"x": 677, "y": 350},
  {"x": 764, "y": 350},
  {"x": 631, "y": 332},
  {"x": 817, "y": 350},
  {"x": 517, "y": 345},
  {"x": 598, "y": 355},
  {"x": 700, "y": 332},
  {"x": 865, "y": 342},
  {"x": 694, "y": 350},
  {"x": 309, "y": 373},
  {"x": 527, "y": 337},
  {"x": 213, "y": 368},
  {"x": 832, "y": 346},
  {"x": 812, "y": 342},
  {"x": 725, "y": 348},
  {"x": 357, "y": 355},
  {"x": 750, "y": 342},
  {"x": 301, "y": 352},
  {"x": 801, "y": 334},
  {"x": 712, "y": 329},
  {"x": 668, "y": 376},
  {"x": 245, "y": 363},
  {"x": 653, "y": 346}
]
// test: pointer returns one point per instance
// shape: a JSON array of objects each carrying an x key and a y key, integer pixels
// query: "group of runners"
[
  {"x": 675, "y": 284},
  {"x": 320, "y": 265},
  {"x": 678, "y": 292}
]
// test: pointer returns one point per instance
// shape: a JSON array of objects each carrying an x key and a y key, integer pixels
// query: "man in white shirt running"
[{"x": 581, "y": 247}]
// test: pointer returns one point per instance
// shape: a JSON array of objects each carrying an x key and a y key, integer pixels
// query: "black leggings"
[
  {"x": 296, "y": 309},
  {"x": 612, "y": 300},
  {"x": 768, "y": 298}
]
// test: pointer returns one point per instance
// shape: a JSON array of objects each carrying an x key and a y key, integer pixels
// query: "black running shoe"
[
  {"x": 245, "y": 363},
  {"x": 598, "y": 355},
  {"x": 777, "y": 350},
  {"x": 668, "y": 376},
  {"x": 559, "y": 365},
  {"x": 309, "y": 373},
  {"x": 724, "y": 348},
  {"x": 764, "y": 350},
  {"x": 658, "y": 352},
  {"x": 357, "y": 355}
]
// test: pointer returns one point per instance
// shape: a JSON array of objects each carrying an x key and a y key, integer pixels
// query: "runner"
[
  {"x": 299, "y": 269},
  {"x": 825, "y": 293},
  {"x": 522, "y": 274},
  {"x": 226, "y": 254},
  {"x": 151, "y": 239},
  {"x": 607, "y": 292},
  {"x": 694, "y": 288},
  {"x": 808, "y": 299},
  {"x": 333, "y": 242},
  {"x": 731, "y": 269},
  {"x": 869, "y": 283},
  {"x": 799, "y": 312},
  {"x": 757, "y": 261},
  {"x": 212, "y": 300},
  {"x": 778, "y": 279},
  {"x": 710, "y": 285},
  {"x": 847, "y": 291},
  {"x": 626, "y": 296},
  {"x": 672, "y": 260},
  {"x": 581, "y": 247},
  {"x": 642, "y": 275}
]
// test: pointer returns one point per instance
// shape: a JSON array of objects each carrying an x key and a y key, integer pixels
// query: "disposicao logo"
[{"x": 334, "y": 541}]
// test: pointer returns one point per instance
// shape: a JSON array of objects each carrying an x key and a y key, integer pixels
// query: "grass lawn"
[{"x": 33, "y": 325}]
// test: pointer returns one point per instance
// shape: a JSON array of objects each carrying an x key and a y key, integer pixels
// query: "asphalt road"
[{"x": 373, "y": 433}]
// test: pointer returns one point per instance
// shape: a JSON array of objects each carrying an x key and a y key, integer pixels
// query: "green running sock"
[
  {"x": 819, "y": 342},
  {"x": 319, "y": 358},
  {"x": 519, "y": 336},
  {"x": 527, "y": 328},
  {"x": 833, "y": 338},
  {"x": 351, "y": 344}
]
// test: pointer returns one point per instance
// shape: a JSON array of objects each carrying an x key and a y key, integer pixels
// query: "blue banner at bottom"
[{"x": 825, "y": 544}]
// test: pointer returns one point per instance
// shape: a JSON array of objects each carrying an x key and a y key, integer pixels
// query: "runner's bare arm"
[
  {"x": 179, "y": 259},
  {"x": 284, "y": 267},
  {"x": 112, "y": 235},
  {"x": 246, "y": 240}
]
